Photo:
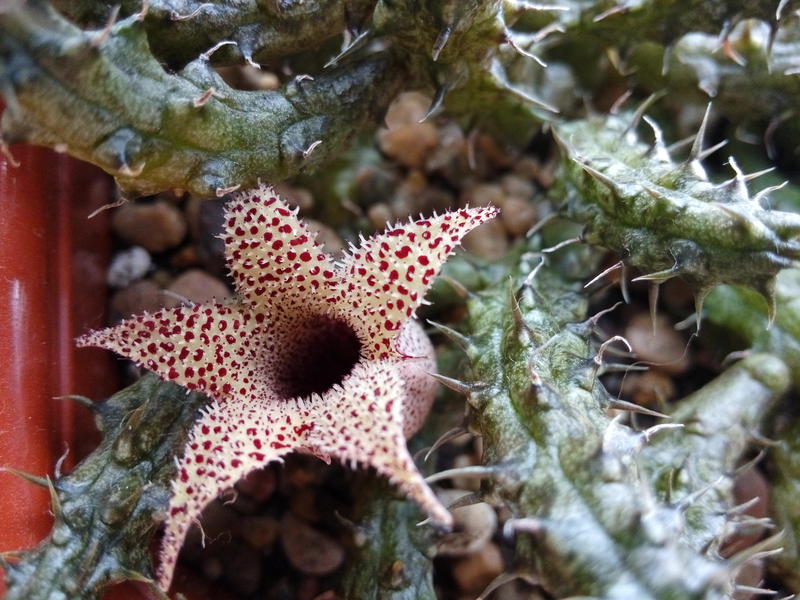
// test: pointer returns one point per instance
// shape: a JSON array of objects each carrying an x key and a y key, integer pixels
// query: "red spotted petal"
[
  {"x": 273, "y": 256},
  {"x": 229, "y": 441},
  {"x": 386, "y": 278},
  {"x": 210, "y": 348},
  {"x": 314, "y": 357},
  {"x": 362, "y": 422}
]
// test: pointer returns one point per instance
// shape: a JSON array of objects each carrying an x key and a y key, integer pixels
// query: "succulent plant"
[
  {"x": 113, "y": 500},
  {"x": 596, "y": 502},
  {"x": 666, "y": 218},
  {"x": 604, "y": 504}
]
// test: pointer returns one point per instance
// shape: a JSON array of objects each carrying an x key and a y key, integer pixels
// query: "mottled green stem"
[
  {"x": 392, "y": 556},
  {"x": 108, "y": 509},
  {"x": 742, "y": 311},
  {"x": 108, "y": 101},
  {"x": 666, "y": 217},
  {"x": 180, "y": 31},
  {"x": 661, "y": 21},
  {"x": 785, "y": 507},
  {"x": 588, "y": 518}
]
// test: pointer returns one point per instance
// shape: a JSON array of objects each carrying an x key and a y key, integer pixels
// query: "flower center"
[{"x": 318, "y": 354}]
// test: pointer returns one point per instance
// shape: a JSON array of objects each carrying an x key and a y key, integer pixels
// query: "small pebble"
[
  {"x": 206, "y": 220},
  {"x": 473, "y": 525},
  {"x": 327, "y": 236},
  {"x": 489, "y": 147},
  {"x": 156, "y": 227},
  {"x": 310, "y": 551},
  {"x": 465, "y": 483},
  {"x": 475, "y": 571},
  {"x": 295, "y": 196},
  {"x": 219, "y": 524},
  {"x": 212, "y": 567},
  {"x": 139, "y": 297},
  {"x": 748, "y": 484},
  {"x": 488, "y": 241},
  {"x": 407, "y": 140},
  {"x": 379, "y": 215},
  {"x": 128, "y": 265},
  {"x": 259, "y": 484},
  {"x": 518, "y": 215},
  {"x": 260, "y": 532},
  {"x": 514, "y": 185},
  {"x": 451, "y": 147},
  {"x": 406, "y": 200},
  {"x": 750, "y": 575},
  {"x": 199, "y": 287},
  {"x": 375, "y": 183},
  {"x": 185, "y": 258},
  {"x": 303, "y": 503},
  {"x": 650, "y": 388},
  {"x": 242, "y": 568},
  {"x": 666, "y": 350},
  {"x": 483, "y": 194}
]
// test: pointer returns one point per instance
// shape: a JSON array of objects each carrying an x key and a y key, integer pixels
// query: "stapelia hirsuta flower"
[{"x": 312, "y": 356}]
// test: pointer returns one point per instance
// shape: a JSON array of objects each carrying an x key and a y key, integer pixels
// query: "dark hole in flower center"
[{"x": 316, "y": 355}]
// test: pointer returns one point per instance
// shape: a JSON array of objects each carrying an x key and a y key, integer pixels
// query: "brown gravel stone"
[
  {"x": 518, "y": 215},
  {"x": 483, "y": 194},
  {"x": 665, "y": 349},
  {"x": 451, "y": 147},
  {"x": 156, "y": 227},
  {"x": 219, "y": 525},
  {"x": 139, "y": 297},
  {"x": 327, "y": 236},
  {"x": 465, "y": 483},
  {"x": 206, "y": 218},
  {"x": 749, "y": 484},
  {"x": 199, "y": 287},
  {"x": 261, "y": 532},
  {"x": 295, "y": 196},
  {"x": 303, "y": 503},
  {"x": 407, "y": 198},
  {"x": 242, "y": 568},
  {"x": 474, "y": 572},
  {"x": 649, "y": 388},
  {"x": 514, "y": 185},
  {"x": 259, "y": 484},
  {"x": 407, "y": 140},
  {"x": 473, "y": 526},
  {"x": 212, "y": 567},
  {"x": 379, "y": 215},
  {"x": 488, "y": 241},
  {"x": 185, "y": 258},
  {"x": 310, "y": 551}
]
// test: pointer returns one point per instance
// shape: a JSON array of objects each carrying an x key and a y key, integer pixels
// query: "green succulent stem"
[
  {"x": 392, "y": 557},
  {"x": 101, "y": 96},
  {"x": 108, "y": 509},
  {"x": 596, "y": 502},
  {"x": 261, "y": 31},
  {"x": 667, "y": 218}
]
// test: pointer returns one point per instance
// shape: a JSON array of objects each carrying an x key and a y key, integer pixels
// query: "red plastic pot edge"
[{"x": 52, "y": 282}]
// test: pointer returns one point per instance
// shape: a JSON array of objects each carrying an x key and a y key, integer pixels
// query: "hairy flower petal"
[
  {"x": 386, "y": 278},
  {"x": 209, "y": 348},
  {"x": 311, "y": 356},
  {"x": 273, "y": 256}
]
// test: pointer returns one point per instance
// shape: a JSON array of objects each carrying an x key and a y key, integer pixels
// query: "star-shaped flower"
[{"x": 312, "y": 356}]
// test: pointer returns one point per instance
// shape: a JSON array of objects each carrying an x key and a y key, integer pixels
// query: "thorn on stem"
[
  {"x": 313, "y": 146},
  {"x": 203, "y": 98},
  {"x": 220, "y": 192},
  {"x": 103, "y": 34}
]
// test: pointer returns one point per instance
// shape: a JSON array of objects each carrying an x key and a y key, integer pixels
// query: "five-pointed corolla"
[{"x": 312, "y": 356}]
